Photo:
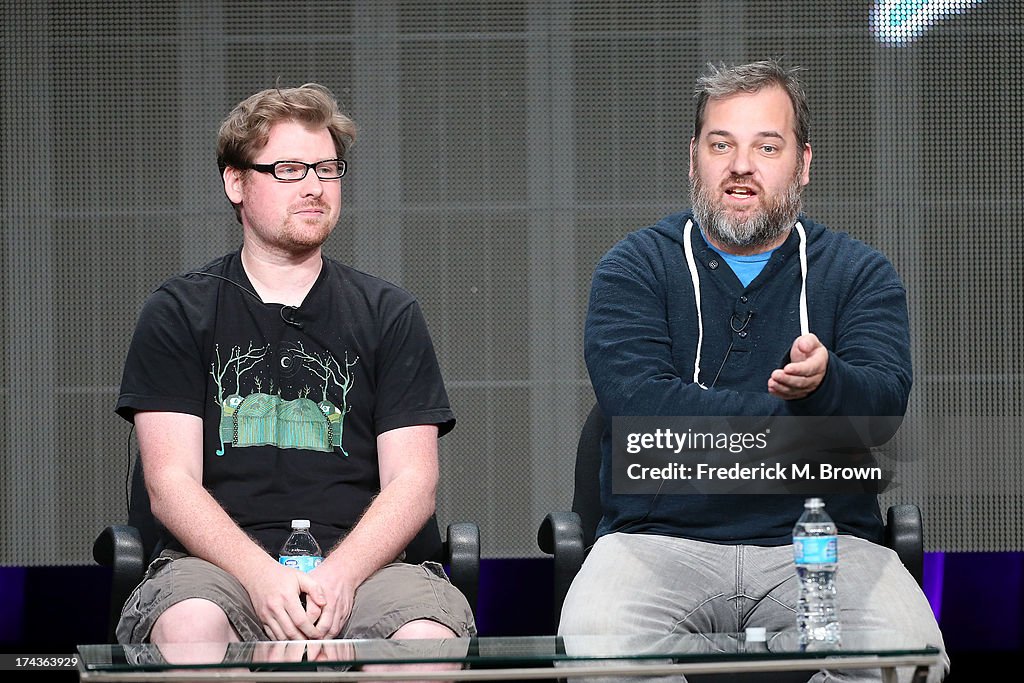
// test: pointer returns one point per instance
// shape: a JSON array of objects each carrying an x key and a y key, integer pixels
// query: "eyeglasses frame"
[{"x": 270, "y": 168}]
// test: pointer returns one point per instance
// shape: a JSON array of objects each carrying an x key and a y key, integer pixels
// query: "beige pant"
[{"x": 397, "y": 594}]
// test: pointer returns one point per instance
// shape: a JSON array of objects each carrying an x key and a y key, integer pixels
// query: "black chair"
[
  {"x": 568, "y": 535},
  {"x": 127, "y": 550}
]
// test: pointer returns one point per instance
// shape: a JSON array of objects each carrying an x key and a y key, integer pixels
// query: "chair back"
[{"x": 586, "y": 497}]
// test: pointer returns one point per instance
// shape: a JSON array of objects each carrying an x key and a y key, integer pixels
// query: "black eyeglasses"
[{"x": 328, "y": 169}]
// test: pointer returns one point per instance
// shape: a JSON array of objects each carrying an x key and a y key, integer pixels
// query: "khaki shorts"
[{"x": 395, "y": 595}]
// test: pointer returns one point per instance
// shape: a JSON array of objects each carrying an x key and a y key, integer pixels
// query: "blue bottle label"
[
  {"x": 304, "y": 563},
  {"x": 815, "y": 550}
]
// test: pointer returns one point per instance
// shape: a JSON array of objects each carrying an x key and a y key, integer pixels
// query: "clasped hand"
[{"x": 277, "y": 596}]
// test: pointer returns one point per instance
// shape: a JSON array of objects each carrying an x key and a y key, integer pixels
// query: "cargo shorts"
[{"x": 393, "y": 596}]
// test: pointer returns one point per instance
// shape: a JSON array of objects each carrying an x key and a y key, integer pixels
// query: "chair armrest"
[
  {"x": 904, "y": 533},
  {"x": 120, "y": 548},
  {"x": 561, "y": 535},
  {"x": 462, "y": 552}
]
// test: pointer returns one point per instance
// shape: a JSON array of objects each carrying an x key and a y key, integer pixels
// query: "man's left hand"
[
  {"x": 339, "y": 591},
  {"x": 803, "y": 374}
]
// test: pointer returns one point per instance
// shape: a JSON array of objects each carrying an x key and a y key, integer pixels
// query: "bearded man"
[{"x": 742, "y": 307}]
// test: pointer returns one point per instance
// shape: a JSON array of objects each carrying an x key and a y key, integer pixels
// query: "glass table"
[{"x": 502, "y": 658}]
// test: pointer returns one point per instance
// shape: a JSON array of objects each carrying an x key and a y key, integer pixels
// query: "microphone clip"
[
  {"x": 742, "y": 326},
  {"x": 288, "y": 316}
]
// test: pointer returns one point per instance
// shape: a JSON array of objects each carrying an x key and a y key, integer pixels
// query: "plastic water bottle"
[
  {"x": 815, "y": 552},
  {"x": 301, "y": 550}
]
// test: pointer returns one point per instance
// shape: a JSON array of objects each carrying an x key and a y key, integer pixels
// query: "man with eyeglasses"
[{"x": 273, "y": 384}]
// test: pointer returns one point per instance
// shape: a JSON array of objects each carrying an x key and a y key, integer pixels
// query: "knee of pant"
[
  {"x": 584, "y": 615},
  {"x": 423, "y": 628},
  {"x": 193, "y": 620}
]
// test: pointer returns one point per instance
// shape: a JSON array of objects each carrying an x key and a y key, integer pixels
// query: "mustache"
[
  {"x": 743, "y": 181},
  {"x": 311, "y": 205}
]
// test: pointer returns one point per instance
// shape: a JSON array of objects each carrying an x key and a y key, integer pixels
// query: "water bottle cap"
[
  {"x": 300, "y": 523},
  {"x": 814, "y": 503}
]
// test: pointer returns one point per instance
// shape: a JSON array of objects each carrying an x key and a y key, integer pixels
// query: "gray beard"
[{"x": 759, "y": 230}]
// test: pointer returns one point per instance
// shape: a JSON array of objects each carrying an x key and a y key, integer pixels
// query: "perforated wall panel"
[{"x": 504, "y": 146}]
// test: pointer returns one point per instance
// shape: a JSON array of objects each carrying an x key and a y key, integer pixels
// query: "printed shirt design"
[{"x": 262, "y": 415}]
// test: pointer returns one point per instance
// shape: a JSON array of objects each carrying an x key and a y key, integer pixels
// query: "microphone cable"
[{"x": 286, "y": 318}]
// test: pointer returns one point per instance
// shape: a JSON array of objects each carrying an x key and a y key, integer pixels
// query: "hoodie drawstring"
[{"x": 805, "y": 327}]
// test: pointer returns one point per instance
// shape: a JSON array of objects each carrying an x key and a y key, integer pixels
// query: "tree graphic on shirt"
[
  {"x": 250, "y": 417},
  {"x": 330, "y": 372}
]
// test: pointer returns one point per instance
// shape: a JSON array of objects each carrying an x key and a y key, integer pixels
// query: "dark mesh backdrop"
[{"x": 504, "y": 146}]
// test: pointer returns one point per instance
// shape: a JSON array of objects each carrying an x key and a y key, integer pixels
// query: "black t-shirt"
[{"x": 292, "y": 399}]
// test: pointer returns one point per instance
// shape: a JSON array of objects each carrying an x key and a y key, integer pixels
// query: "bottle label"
[
  {"x": 304, "y": 563},
  {"x": 815, "y": 549}
]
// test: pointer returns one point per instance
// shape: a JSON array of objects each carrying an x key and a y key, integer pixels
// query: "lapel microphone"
[
  {"x": 741, "y": 326},
  {"x": 288, "y": 314}
]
